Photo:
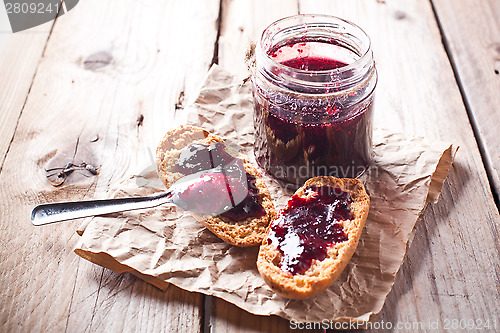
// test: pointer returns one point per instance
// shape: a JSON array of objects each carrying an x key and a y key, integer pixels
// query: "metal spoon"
[{"x": 181, "y": 193}]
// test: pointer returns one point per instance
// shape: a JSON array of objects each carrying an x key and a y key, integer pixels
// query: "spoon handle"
[{"x": 56, "y": 212}]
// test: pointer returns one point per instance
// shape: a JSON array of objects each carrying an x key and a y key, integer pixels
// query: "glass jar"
[{"x": 313, "y": 88}]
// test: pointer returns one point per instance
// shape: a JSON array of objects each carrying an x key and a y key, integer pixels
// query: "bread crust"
[
  {"x": 249, "y": 232},
  {"x": 323, "y": 273}
]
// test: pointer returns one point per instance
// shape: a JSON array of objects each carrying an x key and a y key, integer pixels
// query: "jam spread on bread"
[
  {"x": 229, "y": 188},
  {"x": 307, "y": 226}
]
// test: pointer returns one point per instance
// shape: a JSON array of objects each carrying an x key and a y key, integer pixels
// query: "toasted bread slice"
[
  {"x": 248, "y": 232},
  {"x": 321, "y": 273}
]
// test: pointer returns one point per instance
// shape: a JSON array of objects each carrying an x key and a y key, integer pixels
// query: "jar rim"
[{"x": 364, "y": 57}]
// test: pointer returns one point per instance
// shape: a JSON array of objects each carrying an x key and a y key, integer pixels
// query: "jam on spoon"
[{"x": 227, "y": 188}]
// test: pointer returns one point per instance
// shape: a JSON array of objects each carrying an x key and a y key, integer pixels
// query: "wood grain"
[
  {"x": 105, "y": 92},
  {"x": 18, "y": 73},
  {"x": 472, "y": 30},
  {"x": 116, "y": 74},
  {"x": 228, "y": 318},
  {"x": 414, "y": 77},
  {"x": 417, "y": 94},
  {"x": 242, "y": 23}
]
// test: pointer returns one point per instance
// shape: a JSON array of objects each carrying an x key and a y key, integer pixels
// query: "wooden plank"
[
  {"x": 242, "y": 23},
  {"x": 228, "y": 318},
  {"x": 417, "y": 94},
  {"x": 105, "y": 92},
  {"x": 17, "y": 76},
  {"x": 472, "y": 36}
]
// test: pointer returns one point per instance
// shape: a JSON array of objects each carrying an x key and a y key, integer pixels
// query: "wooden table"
[{"x": 103, "y": 83}]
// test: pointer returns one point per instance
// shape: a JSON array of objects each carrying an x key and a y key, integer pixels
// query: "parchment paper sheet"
[{"x": 166, "y": 245}]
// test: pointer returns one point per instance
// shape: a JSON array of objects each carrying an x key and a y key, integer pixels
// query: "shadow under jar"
[{"x": 313, "y": 89}]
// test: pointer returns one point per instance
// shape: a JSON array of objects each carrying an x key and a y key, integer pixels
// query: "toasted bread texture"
[
  {"x": 248, "y": 232},
  {"x": 322, "y": 273}
]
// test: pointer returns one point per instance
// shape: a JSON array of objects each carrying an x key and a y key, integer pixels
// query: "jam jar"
[{"x": 313, "y": 87}]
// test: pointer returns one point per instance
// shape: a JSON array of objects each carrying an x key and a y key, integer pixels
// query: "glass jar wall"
[{"x": 313, "y": 92}]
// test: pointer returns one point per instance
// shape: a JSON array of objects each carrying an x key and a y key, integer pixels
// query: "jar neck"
[{"x": 317, "y": 37}]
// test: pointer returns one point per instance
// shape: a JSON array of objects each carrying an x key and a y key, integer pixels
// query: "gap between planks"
[
  {"x": 215, "y": 57},
  {"x": 207, "y": 308},
  {"x": 46, "y": 42},
  {"x": 4, "y": 157},
  {"x": 98, "y": 317},
  {"x": 480, "y": 143}
]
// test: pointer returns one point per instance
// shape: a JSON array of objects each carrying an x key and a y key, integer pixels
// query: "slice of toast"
[
  {"x": 274, "y": 256},
  {"x": 248, "y": 232}
]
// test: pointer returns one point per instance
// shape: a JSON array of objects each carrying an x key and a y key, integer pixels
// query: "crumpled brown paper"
[{"x": 166, "y": 245}]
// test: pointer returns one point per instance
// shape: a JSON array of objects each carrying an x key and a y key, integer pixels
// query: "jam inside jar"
[{"x": 313, "y": 88}]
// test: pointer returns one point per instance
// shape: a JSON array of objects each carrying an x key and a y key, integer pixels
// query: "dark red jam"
[
  {"x": 313, "y": 64},
  {"x": 228, "y": 188},
  {"x": 306, "y": 227},
  {"x": 300, "y": 134},
  {"x": 200, "y": 196}
]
